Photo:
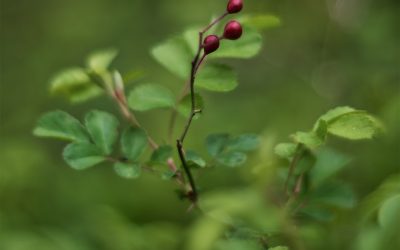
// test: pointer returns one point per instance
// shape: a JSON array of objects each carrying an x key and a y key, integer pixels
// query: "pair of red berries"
[{"x": 233, "y": 29}]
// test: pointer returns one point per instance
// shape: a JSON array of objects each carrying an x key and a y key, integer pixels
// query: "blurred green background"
[{"x": 325, "y": 54}]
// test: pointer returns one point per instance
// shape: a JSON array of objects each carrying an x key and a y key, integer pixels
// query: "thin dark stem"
[
  {"x": 197, "y": 61},
  {"x": 292, "y": 167}
]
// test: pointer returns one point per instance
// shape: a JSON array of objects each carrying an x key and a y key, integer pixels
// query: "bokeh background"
[{"x": 325, "y": 54}]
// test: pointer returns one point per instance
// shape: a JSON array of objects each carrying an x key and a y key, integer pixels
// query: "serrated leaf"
[
  {"x": 329, "y": 163},
  {"x": 249, "y": 45},
  {"x": 355, "y": 126},
  {"x": 388, "y": 214},
  {"x": 308, "y": 139},
  {"x": 193, "y": 157},
  {"x": 100, "y": 61},
  {"x": 60, "y": 125},
  {"x": 286, "y": 150},
  {"x": 232, "y": 159},
  {"x": 185, "y": 106},
  {"x": 244, "y": 143},
  {"x": 133, "y": 143},
  {"x": 127, "y": 170},
  {"x": 215, "y": 143},
  {"x": 216, "y": 77},
  {"x": 150, "y": 96},
  {"x": 82, "y": 155},
  {"x": 103, "y": 128},
  {"x": 175, "y": 55},
  {"x": 161, "y": 154}
]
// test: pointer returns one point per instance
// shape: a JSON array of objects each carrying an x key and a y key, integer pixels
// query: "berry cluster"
[{"x": 233, "y": 29}]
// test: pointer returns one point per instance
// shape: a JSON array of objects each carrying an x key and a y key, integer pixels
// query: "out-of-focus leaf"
[
  {"x": 100, "y": 61},
  {"x": 61, "y": 125},
  {"x": 329, "y": 162},
  {"x": 335, "y": 194},
  {"x": 215, "y": 143},
  {"x": 161, "y": 154},
  {"x": 261, "y": 21},
  {"x": 82, "y": 155},
  {"x": 243, "y": 143},
  {"x": 249, "y": 45},
  {"x": 389, "y": 212},
  {"x": 308, "y": 139},
  {"x": 278, "y": 248},
  {"x": 175, "y": 55},
  {"x": 217, "y": 77},
  {"x": 318, "y": 213},
  {"x": 103, "y": 128},
  {"x": 150, "y": 96},
  {"x": 286, "y": 150},
  {"x": 238, "y": 244},
  {"x": 389, "y": 188},
  {"x": 127, "y": 170},
  {"x": 193, "y": 157},
  {"x": 185, "y": 106},
  {"x": 335, "y": 113},
  {"x": 133, "y": 143},
  {"x": 232, "y": 159}
]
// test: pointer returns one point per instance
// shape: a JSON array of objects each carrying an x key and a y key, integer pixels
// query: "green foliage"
[
  {"x": 193, "y": 158},
  {"x": 103, "y": 129},
  {"x": 260, "y": 21},
  {"x": 230, "y": 151},
  {"x": 150, "y": 96},
  {"x": 60, "y": 125},
  {"x": 133, "y": 143},
  {"x": 185, "y": 105},
  {"x": 285, "y": 150},
  {"x": 82, "y": 155},
  {"x": 161, "y": 154},
  {"x": 100, "y": 61},
  {"x": 127, "y": 170},
  {"x": 175, "y": 55},
  {"x": 217, "y": 77},
  {"x": 279, "y": 248}
]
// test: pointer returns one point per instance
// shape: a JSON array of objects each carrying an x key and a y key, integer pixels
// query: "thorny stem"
[{"x": 197, "y": 61}]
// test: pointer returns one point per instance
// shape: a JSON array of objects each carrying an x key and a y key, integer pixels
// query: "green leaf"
[
  {"x": 318, "y": 213},
  {"x": 193, "y": 157},
  {"x": 261, "y": 21},
  {"x": 103, "y": 128},
  {"x": 389, "y": 212},
  {"x": 75, "y": 85},
  {"x": 133, "y": 143},
  {"x": 329, "y": 162},
  {"x": 216, "y": 77},
  {"x": 161, "y": 154},
  {"x": 355, "y": 126},
  {"x": 244, "y": 143},
  {"x": 232, "y": 159},
  {"x": 286, "y": 150},
  {"x": 335, "y": 113},
  {"x": 249, "y": 45},
  {"x": 100, "y": 61},
  {"x": 185, "y": 106},
  {"x": 389, "y": 188},
  {"x": 321, "y": 129},
  {"x": 175, "y": 55},
  {"x": 278, "y": 248},
  {"x": 150, "y": 96},
  {"x": 127, "y": 170},
  {"x": 335, "y": 194},
  {"x": 309, "y": 139},
  {"x": 215, "y": 143},
  {"x": 82, "y": 155},
  {"x": 61, "y": 125}
]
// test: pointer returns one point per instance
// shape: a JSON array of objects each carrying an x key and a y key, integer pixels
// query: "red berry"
[
  {"x": 233, "y": 30},
  {"x": 211, "y": 44},
  {"x": 234, "y": 6}
]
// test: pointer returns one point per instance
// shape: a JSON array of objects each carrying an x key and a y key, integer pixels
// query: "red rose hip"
[
  {"x": 211, "y": 44},
  {"x": 234, "y": 6},
  {"x": 233, "y": 30}
]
